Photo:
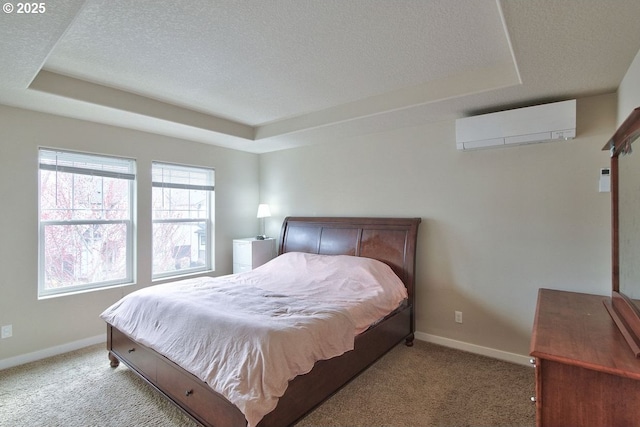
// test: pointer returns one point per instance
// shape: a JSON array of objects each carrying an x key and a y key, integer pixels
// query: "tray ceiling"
[{"x": 267, "y": 75}]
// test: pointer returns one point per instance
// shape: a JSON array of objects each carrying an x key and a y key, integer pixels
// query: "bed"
[{"x": 390, "y": 240}]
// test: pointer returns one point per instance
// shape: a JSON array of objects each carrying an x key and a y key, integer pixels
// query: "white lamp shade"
[{"x": 263, "y": 211}]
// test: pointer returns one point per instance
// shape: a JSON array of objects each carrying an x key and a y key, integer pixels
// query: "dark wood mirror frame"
[{"x": 622, "y": 308}]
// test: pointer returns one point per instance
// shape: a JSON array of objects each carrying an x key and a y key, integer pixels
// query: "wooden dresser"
[{"x": 586, "y": 374}]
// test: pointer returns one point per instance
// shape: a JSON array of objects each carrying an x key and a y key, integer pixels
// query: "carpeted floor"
[{"x": 426, "y": 385}]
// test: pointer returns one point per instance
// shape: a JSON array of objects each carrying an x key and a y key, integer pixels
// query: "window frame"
[
  {"x": 209, "y": 189},
  {"x": 129, "y": 223}
]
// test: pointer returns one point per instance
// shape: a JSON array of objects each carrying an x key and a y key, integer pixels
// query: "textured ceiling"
[
  {"x": 262, "y": 75},
  {"x": 256, "y": 63}
]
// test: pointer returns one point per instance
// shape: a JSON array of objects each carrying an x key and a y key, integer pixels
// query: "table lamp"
[{"x": 263, "y": 212}]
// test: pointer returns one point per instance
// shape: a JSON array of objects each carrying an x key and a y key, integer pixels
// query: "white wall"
[
  {"x": 497, "y": 224},
  {"x": 45, "y": 324}
]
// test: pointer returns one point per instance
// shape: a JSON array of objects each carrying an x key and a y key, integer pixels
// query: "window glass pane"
[
  {"x": 179, "y": 246},
  {"x": 81, "y": 254},
  {"x": 66, "y": 196},
  {"x": 175, "y": 203},
  {"x": 55, "y": 194}
]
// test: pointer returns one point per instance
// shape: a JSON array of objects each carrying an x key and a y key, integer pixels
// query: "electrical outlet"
[
  {"x": 7, "y": 331},
  {"x": 458, "y": 317}
]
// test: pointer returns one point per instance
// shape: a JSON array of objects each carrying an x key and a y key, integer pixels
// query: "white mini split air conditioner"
[{"x": 529, "y": 125}]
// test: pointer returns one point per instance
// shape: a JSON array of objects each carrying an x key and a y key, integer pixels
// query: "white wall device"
[
  {"x": 604, "y": 185},
  {"x": 540, "y": 123}
]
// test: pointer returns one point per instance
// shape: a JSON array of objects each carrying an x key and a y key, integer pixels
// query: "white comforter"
[{"x": 247, "y": 335}]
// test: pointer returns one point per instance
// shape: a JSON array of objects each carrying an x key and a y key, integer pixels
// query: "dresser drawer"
[{"x": 136, "y": 355}]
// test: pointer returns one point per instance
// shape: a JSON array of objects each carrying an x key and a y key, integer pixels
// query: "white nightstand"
[{"x": 249, "y": 253}]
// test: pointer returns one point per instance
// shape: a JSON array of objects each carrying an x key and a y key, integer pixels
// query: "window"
[
  {"x": 85, "y": 221},
  {"x": 182, "y": 212}
]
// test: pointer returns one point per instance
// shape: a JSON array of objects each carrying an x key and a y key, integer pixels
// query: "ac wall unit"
[{"x": 540, "y": 123}]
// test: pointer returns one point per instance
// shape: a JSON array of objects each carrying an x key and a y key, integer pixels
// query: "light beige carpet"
[{"x": 426, "y": 385}]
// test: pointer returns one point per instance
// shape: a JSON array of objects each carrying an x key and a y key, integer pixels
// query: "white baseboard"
[
  {"x": 446, "y": 342},
  {"x": 477, "y": 349},
  {"x": 51, "y": 351}
]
